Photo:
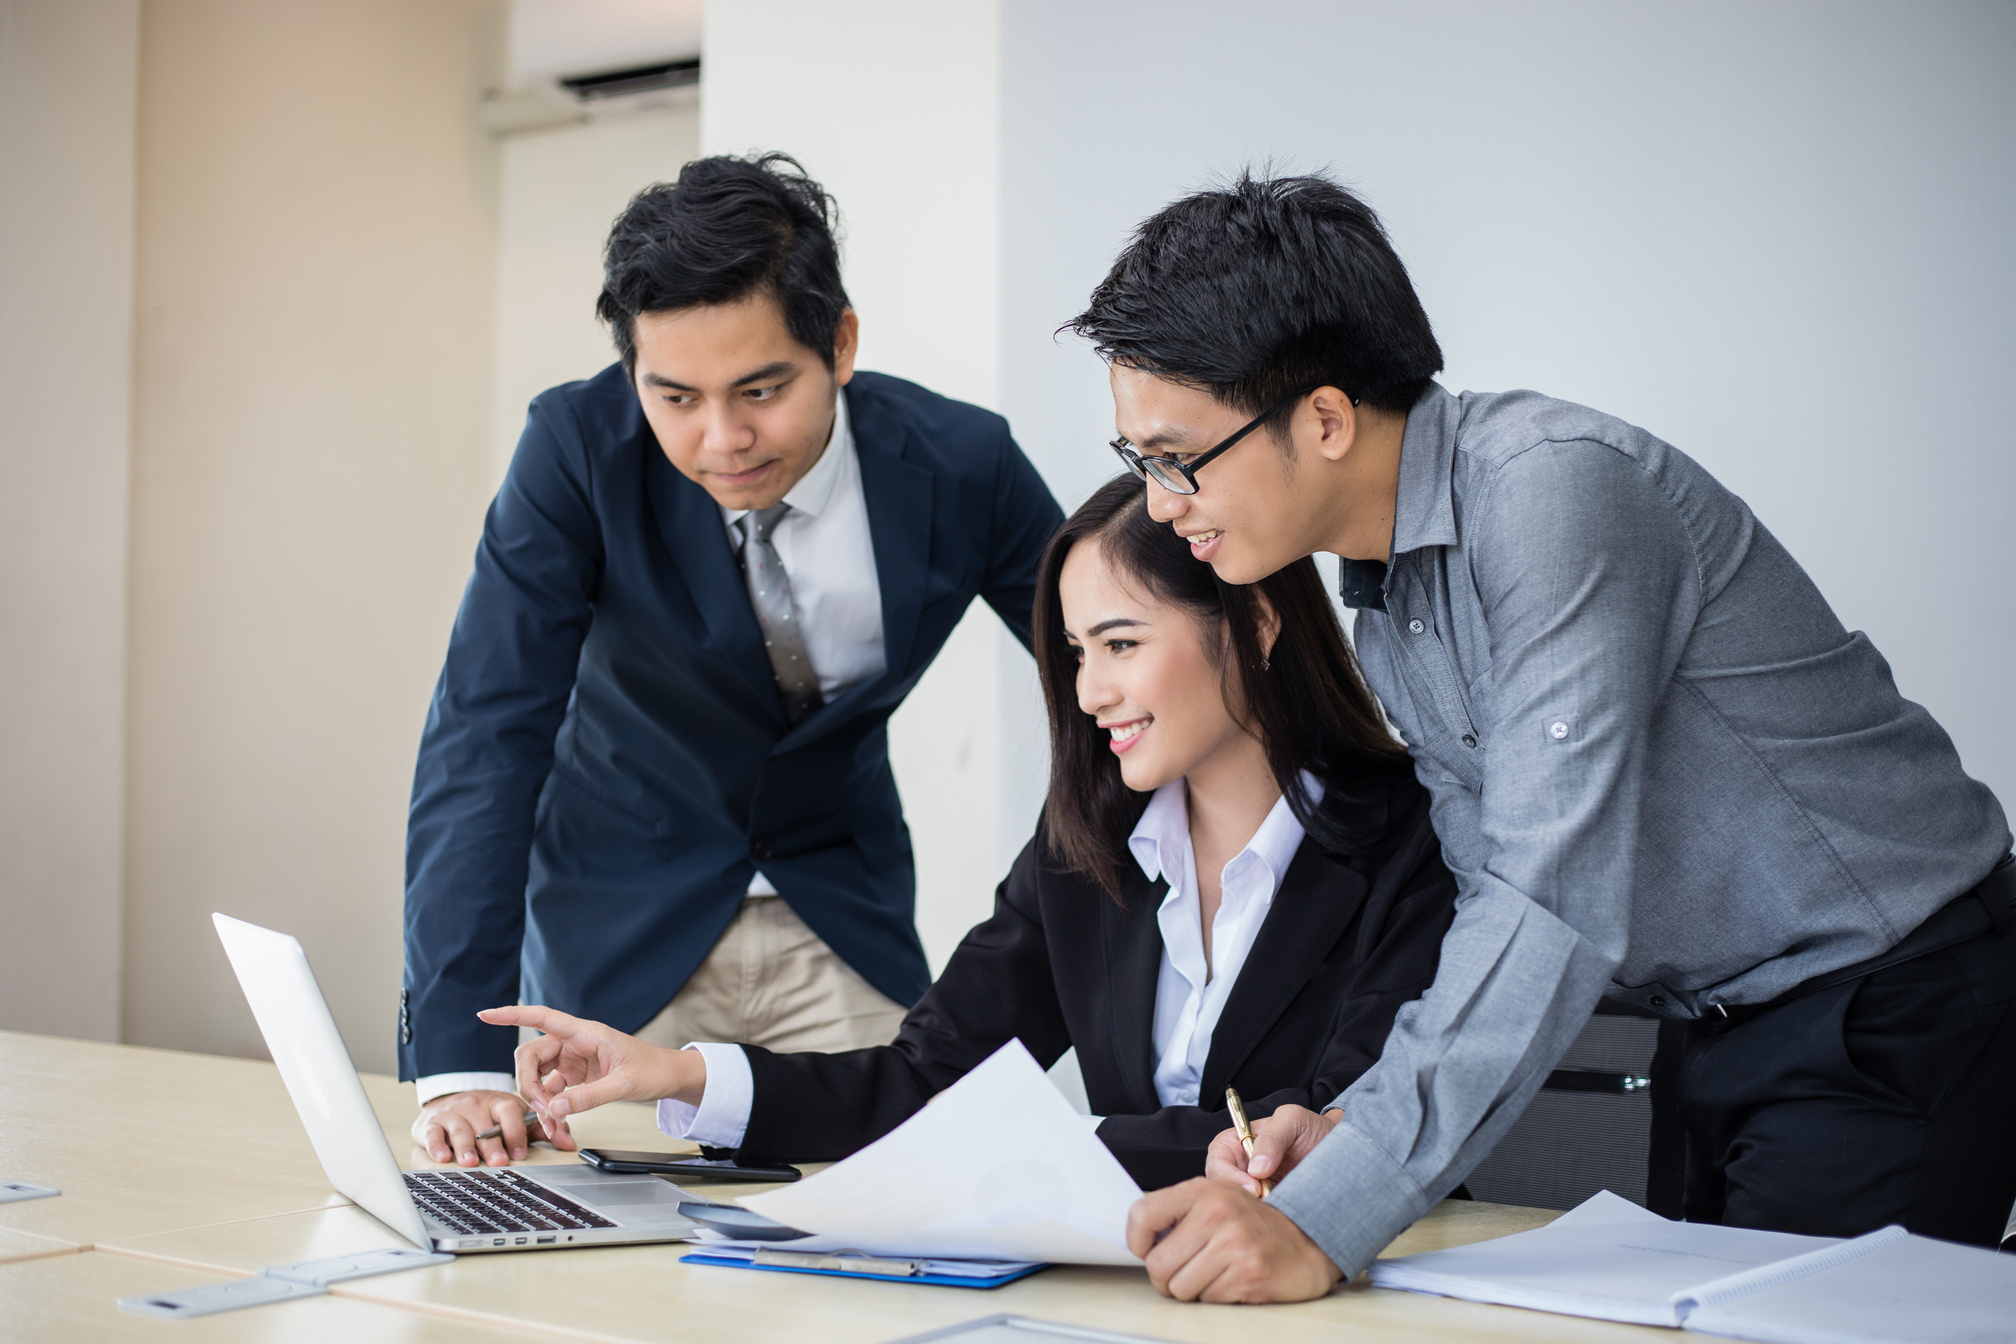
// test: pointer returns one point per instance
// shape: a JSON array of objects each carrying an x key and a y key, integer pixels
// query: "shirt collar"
[
  {"x": 814, "y": 491},
  {"x": 1423, "y": 514},
  {"x": 1160, "y": 837}
]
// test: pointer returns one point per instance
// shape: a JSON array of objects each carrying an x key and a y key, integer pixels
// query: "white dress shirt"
[
  {"x": 829, "y": 558},
  {"x": 1187, "y": 1000}
]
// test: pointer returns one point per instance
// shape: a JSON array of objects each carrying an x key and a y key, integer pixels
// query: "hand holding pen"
[{"x": 1253, "y": 1155}]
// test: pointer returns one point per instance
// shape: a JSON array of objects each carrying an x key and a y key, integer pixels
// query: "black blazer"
[
  {"x": 1350, "y": 937},
  {"x": 606, "y": 760}
]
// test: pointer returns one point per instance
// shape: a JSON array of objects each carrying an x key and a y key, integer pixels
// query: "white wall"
[
  {"x": 560, "y": 190},
  {"x": 1775, "y": 234},
  {"x": 67, "y": 81},
  {"x": 894, "y": 106}
]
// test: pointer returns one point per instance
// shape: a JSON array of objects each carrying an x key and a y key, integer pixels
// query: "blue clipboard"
[{"x": 937, "y": 1280}]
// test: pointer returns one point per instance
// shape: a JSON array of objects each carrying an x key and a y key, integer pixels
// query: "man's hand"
[
  {"x": 579, "y": 1065},
  {"x": 448, "y": 1125},
  {"x": 1219, "y": 1244},
  {"x": 1279, "y": 1142}
]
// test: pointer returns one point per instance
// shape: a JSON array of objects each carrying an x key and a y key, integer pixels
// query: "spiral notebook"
[{"x": 1613, "y": 1260}]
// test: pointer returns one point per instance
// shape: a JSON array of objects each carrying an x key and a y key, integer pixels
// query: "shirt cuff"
[
  {"x": 1349, "y": 1197},
  {"x": 722, "y": 1117},
  {"x": 441, "y": 1084}
]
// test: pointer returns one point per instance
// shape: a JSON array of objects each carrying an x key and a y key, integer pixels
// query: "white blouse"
[{"x": 1187, "y": 1002}]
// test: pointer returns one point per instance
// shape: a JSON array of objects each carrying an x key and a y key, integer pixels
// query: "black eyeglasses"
[{"x": 1181, "y": 477}]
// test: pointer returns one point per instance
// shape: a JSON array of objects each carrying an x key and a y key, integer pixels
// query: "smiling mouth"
[{"x": 1125, "y": 735}]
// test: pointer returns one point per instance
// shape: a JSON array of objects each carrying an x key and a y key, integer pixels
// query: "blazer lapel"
[
  {"x": 689, "y": 523},
  {"x": 899, "y": 522},
  {"x": 1133, "y": 950},
  {"x": 1316, "y": 902}
]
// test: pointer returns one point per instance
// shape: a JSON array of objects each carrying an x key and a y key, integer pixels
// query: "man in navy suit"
[{"x": 654, "y": 786}]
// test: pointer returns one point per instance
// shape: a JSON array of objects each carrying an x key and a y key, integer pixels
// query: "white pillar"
[{"x": 895, "y": 106}]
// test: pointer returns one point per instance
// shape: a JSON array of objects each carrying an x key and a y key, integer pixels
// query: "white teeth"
[
  {"x": 1126, "y": 732},
  {"x": 1203, "y": 537}
]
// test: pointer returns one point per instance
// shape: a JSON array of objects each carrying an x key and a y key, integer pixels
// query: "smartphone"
[{"x": 703, "y": 1168}]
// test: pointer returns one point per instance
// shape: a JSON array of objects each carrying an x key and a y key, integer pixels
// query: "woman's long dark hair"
[{"x": 1304, "y": 700}]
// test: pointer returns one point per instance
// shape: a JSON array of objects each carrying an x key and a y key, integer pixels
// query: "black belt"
[{"x": 1989, "y": 907}]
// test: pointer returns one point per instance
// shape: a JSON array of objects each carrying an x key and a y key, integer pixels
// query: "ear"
[
  {"x": 1336, "y": 423},
  {"x": 1270, "y": 625},
  {"x": 846, "y": 341}
]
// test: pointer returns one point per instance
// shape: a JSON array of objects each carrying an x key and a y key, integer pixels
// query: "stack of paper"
[
  {"x": 998, "y": 1167},
  {"x": 1613, "y": 1260}
]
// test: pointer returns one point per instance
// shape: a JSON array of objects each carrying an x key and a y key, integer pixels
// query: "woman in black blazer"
[{"x": 1215, "y": 732}]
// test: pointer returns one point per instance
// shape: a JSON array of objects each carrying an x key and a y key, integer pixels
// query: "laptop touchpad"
[
  {"x": 650, "y": 1190},
  {"x": 602, "y": 1187}
]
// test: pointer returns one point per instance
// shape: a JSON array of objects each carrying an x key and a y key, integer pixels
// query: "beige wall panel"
[
  {"x": 67, "y": 76},
  {"x": 316, "y": 269}
]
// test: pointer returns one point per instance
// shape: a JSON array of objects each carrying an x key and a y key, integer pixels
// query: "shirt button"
[
  {"x": 1469, "y": 741},
  {"x": 1417, "y": 625},
  {"x": 1558, "y": 730},
  {"x": 1658, "y": 1002}
]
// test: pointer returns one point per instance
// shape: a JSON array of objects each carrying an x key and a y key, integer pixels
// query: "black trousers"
[{"x": 1890, "y": 1098}]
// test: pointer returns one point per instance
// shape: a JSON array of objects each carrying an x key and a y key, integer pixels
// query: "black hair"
[
  {"x": 1259, "y": 288},
  {"x": 728, "y": 228},
  {"x": 1304, "y": 699}
]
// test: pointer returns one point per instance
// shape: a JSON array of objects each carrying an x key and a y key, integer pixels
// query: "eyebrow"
[
  {"x": 1166, "y": 438},
  {"x": 768, "y": 373},
  {"x": 1117, "y": 623}
]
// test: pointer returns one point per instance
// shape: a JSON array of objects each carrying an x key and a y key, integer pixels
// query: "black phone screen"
[
  {"x": 625, "y": 1162},
  {"x": 630, "y": 1159}
]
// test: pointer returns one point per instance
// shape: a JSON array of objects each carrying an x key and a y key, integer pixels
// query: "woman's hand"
[
  {"x": 577, "y": 1066},
  {"x": 1279, "y": 1142}
]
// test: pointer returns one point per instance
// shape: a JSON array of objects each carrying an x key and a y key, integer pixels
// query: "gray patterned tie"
[{"x": 770, "y": 595}]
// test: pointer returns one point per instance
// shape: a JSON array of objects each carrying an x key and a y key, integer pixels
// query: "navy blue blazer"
[{"x": 606, "y": 759}]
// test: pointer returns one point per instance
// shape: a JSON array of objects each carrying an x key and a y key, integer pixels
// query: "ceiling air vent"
[
  {"x": 636, "y": 79},
  {"x": 574, "y": 99}
]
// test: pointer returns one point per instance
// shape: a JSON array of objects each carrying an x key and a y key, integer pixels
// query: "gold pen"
[{"x": 1238, "y": 1109}]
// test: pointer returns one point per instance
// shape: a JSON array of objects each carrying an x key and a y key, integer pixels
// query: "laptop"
[{"x": 460, "y": 1210}]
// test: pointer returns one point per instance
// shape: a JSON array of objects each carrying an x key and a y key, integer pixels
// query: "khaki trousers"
[{"x": 772, "y": 982}]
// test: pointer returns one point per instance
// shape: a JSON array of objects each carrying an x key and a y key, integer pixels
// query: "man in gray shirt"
[{"x": 1661, "y": 771}]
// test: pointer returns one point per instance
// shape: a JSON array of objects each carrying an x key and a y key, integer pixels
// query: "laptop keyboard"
[{"x": 496, "y": 1201}]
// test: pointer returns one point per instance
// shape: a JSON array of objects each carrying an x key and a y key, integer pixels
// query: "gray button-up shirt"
[{"x": 1660, "y": 768}]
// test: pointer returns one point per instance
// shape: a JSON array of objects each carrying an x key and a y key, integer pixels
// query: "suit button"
[{"x": 759, "y": 849}]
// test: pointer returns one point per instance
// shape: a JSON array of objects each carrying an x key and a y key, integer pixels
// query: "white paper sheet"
[
  {"x": 1898, "y": 1290},
  {"x": 998, "y": 1167},
  {"x": 1607, "y": 1258}
]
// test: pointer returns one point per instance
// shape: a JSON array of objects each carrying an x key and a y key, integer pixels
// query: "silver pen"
[{"x": 495, "y": 1130}]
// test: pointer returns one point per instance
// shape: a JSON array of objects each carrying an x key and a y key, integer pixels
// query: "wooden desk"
[
  {"x": 70, "y": 1298},
  {"x": 234, "y": 1186},
  {"x": 142, "y": 1140}
]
